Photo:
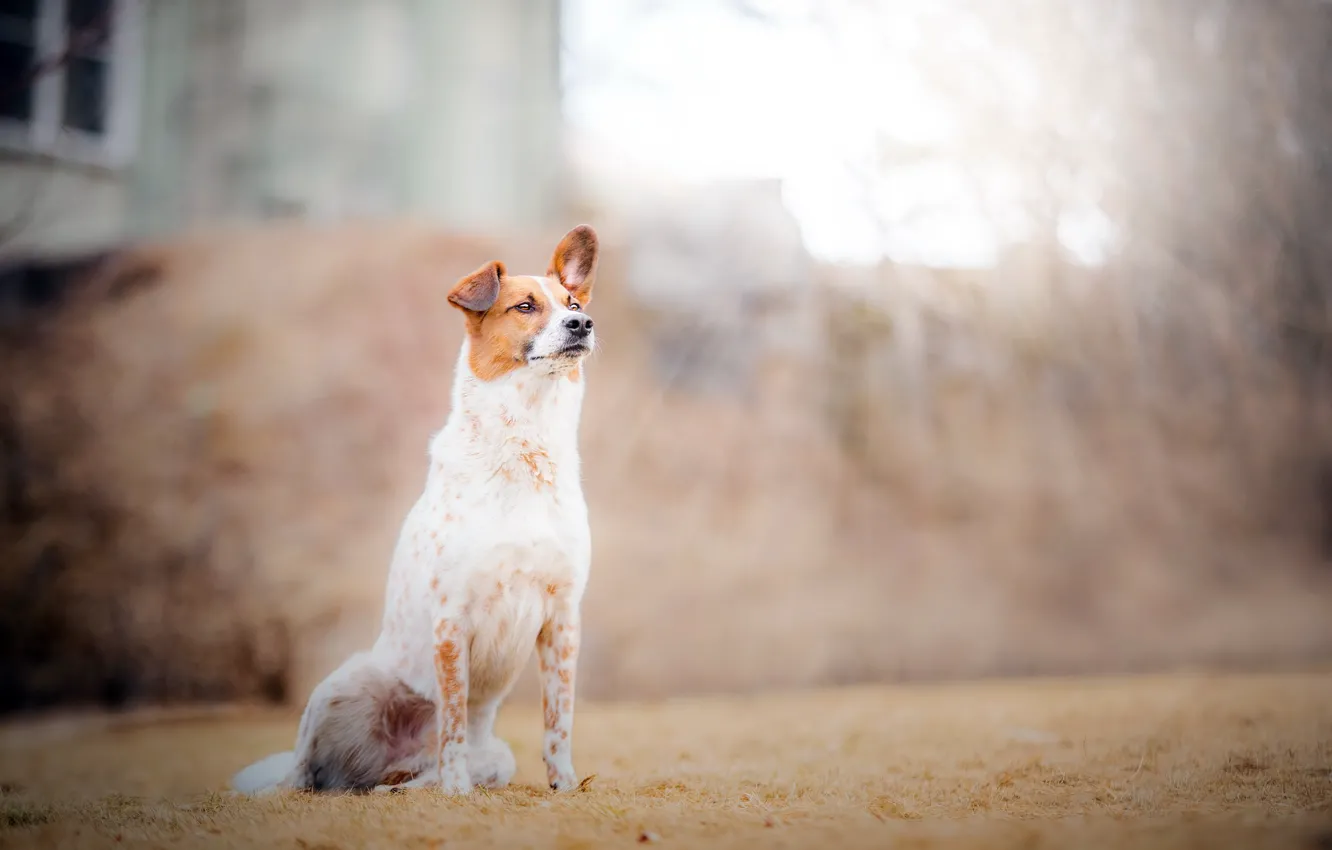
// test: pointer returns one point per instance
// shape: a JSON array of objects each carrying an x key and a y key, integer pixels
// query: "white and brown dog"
[{"x": 491, "y": 561}]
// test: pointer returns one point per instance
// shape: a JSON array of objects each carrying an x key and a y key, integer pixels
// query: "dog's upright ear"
[
  {"x": 574, "y": 263},
  {"x": 477, "y": 292}
]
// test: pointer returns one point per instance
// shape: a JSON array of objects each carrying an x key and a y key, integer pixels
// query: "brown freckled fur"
[
  {"x": 540, "y": 466},
  {"x": 448, "y": 669},
  {"x": 557, "y": 648},
  {"x": 551, "y": 713}
]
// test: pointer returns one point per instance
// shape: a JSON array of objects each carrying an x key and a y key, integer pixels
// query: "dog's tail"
[{"x": 264, "y": 776}]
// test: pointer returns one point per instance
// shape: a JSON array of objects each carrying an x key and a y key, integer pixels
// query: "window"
[{"x": 69, "y": 77}]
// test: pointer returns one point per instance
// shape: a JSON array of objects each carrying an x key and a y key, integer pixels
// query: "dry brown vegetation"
[
  {"x": 1157, "y": 762},
  {"x": 211, "y": 469}
]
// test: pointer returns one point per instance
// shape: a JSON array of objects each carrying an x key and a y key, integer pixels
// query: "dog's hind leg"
[
  {"x": 360, "y": 722},
  {"x": 490, "y": 761}
]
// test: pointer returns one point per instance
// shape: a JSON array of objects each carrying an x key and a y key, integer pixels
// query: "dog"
[{"x": 491, "y": 562}]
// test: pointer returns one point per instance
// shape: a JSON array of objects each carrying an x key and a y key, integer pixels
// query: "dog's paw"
[
  {"x": 562, "y": 778},
  {"x": 455, "y": 789},
  {"x": 454, "y": 781},
  {"x": 491, "y": 766}
]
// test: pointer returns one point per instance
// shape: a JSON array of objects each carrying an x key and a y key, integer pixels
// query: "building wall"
[
  {"x": 325, "y": 109},
  {"x": 45, "y": 205}
]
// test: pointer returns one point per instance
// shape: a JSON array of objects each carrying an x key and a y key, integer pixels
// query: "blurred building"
[{"x": 124, "y": 118}]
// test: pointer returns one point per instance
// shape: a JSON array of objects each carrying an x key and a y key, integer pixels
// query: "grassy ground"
[{"x": 1153, "y": 762}]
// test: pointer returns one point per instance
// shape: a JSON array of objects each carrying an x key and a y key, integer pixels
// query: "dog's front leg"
[
  {"x": 451, "y": 710},
  {"x": 557, "y": 654}
]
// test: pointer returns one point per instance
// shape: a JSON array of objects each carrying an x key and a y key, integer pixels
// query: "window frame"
[{"x": 43, "y": 134}]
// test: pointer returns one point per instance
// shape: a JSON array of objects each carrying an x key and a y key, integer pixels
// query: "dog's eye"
[
  {"x": 525, "y": 307},
  {"x": 574, "y": 305}
]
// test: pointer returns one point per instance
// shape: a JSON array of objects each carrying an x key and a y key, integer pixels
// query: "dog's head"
[{"x": 527, "y": 321}]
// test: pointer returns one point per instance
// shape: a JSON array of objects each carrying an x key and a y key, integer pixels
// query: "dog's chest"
[
  {"x": 516, "y": 544},
  {"x": 516, "y": 566},
  {"x": 498, "y": 539}
]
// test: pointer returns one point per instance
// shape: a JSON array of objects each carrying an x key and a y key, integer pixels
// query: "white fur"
[
  {"x": 263, "y": 776},
  {"x": 498, "y": 546},
  {"x": 554, "y": 337}
]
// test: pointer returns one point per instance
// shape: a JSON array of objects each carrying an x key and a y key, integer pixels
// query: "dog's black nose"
[{"x": 581, "y": 325}]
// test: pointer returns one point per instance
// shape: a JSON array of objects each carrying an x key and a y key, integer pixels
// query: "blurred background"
[{"x": 940, "y": 338}]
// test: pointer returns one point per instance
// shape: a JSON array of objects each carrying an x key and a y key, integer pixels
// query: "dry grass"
[{"x": 1157, "y": 762}]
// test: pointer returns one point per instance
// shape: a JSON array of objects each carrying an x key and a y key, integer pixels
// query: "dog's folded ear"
[
  {"x": 477, "y": 292},
  {"x": 575, "y": 262}
]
